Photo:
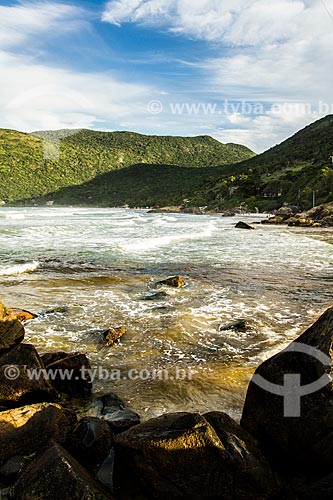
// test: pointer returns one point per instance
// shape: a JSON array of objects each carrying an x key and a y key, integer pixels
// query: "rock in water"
[
  {"x": 117, "y": 415},
  {"x": 56, "y": 475},
  {"x": 23, "y": 315},
  {"x": 243, "y": 225},
  {"x": 174, "y": 281},
  {"x": 76, "y": 367},
  {"x": 22, "y": 377},
  {"x": 296, "y": 429},
  {"x": 26, "y": 429},
  {"x": 186, "y": 455},
  {"x": 112, "y": 335},
  {"x": 239, "y": 325},
  {"x": 11, "y": 329}
]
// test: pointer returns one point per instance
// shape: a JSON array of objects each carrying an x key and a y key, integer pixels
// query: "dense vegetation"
[
  {"x": 85, "y": 154},
  {"x": 113, "y": 169},
  {"x": 294, "y": 172}
]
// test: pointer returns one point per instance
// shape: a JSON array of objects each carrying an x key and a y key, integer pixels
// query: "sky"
[{"x": 245, "y": 71}]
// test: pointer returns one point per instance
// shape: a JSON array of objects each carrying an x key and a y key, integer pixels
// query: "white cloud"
[
  {"x": 270, "y": 51},
  {"x": 22, "y": 22}
]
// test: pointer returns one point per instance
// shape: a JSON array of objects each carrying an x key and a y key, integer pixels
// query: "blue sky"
[{"x": 247, "y": 71}]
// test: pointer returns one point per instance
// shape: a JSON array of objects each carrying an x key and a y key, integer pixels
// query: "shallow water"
[{"x": 102, "y": 263}]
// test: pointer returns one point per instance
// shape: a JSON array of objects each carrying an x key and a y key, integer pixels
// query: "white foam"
[{"x": 29, "y": 267}]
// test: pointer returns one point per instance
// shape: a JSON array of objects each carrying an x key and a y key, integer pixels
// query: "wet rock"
[
  {"x": 186, "y": 455},
  {"x": 239, "y": 325},
  {"x": 56, "y": 475},
  {"x": 295, "y": 428},
  {"x": 174, "y": 282},
  {"x": 112, "y": 335},
  {"x": 10, "y": 470},
  {"x": 57, "y": 310},
  {"x": 11, "y": 329},
  {"x": 91, "y": 441},
  {"x": 243, "y": 225},
  {"x": 26, "y": 429},
  {"x": 106, "y": 471},
  {"x": 22, "y": 379},
  {"x": 155, "y": 296},
  {"x": 23, "y": 315},
  {"x": 117, "y": 415},
  {"x": 76, "y": 366}
]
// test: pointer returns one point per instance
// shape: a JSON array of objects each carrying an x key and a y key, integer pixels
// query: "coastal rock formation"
[
  {"x": 11, "y": 329},
  {"x": 185, "y": 455},
  {"x": 174, "y": 282},
  {"x": 76, "y": 367},
  {"x": 243, "y": 225},
  {"x": 26, "y": 429},
  {"x": 22, "y": 379},
  {"x": 112, "y": 335},
  {"x": 117, "y": 415},
  {"x": 295, "y": 426},
  {"x": 55, "y": 474},
  {"x": 300, "y": 222}
]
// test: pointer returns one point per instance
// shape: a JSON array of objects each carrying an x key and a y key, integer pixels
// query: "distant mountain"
[
  {"x": 296, "y": 171},
  {"x": 86, "y": 155}
]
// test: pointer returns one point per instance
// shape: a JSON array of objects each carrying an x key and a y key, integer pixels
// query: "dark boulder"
[
  {"x": 11, "y": 329},
  {"x": 105, "y": 474},
  {"x": 91, "y": 441},
  {"x": 76, "y": 368},
  {"x": 243, "y": 225},
  {"x": 239, "y": 325},
  {"x": 25, "y": 430},
  {"x": 185, "y": 455},
  {"x": 10, "y": 470},
  {"x": 56, "y": 475},
  {"x": 292, "y": 419},
  {"x": 117, "y": 415},
  {"x": 22, "y": 377}
]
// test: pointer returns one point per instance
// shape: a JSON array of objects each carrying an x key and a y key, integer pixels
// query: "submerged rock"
[
  {"x": 186, "y": 455},
  {"x": 293, "y": 423},
  {"x": 117, "y": 415},
  {"x": 155, "y": 296},
  {"x": 26, "y": 429},
  {"x": 112, "y": 335},
  {"x": 243, "y": 225},
  {"x": 69, "y": 372},
  {"x": 56, "y": 475},
  {"x": 23, "y": 315},
  {"x": 174, "y": 281},
  {"x": 11, "y": 329},
  {"x": 239, "y": 325},
  {"x": 22, "y": 377},
  {"x": 91, "y": 441}
]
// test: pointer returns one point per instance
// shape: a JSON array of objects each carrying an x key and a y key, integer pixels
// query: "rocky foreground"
[{"x": 276, "y": 453}]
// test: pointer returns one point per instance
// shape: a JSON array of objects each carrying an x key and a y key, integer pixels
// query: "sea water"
[{"x": 101, "y": 264}]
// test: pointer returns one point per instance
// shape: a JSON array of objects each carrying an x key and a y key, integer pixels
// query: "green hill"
[
  {"x": 86, "y": 154},
  {"x": 289, "y": 172}
]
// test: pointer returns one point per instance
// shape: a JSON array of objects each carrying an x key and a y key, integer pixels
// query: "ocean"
[{"x": 101, "y": 266}]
